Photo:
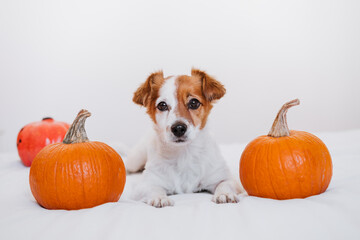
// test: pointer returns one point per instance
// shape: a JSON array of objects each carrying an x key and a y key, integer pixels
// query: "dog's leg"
[
  {"x": 153, "y": 195},
  {"x": 226, "y": 192},
  {"x": 136, "y": 158},
  {"x": 158, "y": 198}
]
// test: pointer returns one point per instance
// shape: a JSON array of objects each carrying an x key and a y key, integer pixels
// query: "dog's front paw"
[
  {"x": 226, "y": 198},
  {"x": 160, "y": 202}
]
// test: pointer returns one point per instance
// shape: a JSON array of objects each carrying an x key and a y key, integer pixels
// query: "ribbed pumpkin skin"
[
  {"x": 295, "y": 166},
  {"x": 75, "y": 176}
]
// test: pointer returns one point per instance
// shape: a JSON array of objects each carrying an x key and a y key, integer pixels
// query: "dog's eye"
[
  {"x": 194, "y": 104},
  {"x": 162, "y": 106}
]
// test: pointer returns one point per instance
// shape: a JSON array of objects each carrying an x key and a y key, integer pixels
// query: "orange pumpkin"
[
  {"x": 285, "y": 164},
  {"x": 77, "y": 173}
]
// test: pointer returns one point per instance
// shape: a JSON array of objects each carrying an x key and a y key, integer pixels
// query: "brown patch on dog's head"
[
  {"x": 198, "y": 86},
  {"x": 148, "y": 92},
  {"x": 211, "y": 88}
]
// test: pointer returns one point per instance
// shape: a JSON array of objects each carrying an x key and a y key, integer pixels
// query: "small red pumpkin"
[
  {"x": 35, "y": 136},
  {"x": 77, "y": 173},
  {"x": 285, "y": 164}
]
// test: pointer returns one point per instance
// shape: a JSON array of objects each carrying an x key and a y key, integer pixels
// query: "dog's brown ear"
[
  {"x": 211, "y": 88},
  {"x": 143, "y": 94}
]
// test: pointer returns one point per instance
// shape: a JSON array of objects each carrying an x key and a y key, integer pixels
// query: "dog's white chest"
[
  {"x": 186, "y": 175},
  {"x": 185, "y": 169},
  {"x": 182, "y": 172}
]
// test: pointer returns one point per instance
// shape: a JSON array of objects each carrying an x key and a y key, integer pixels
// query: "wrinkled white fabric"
[{"x": 334, "y": 214}]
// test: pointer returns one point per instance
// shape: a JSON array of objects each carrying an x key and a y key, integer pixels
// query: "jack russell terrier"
[{"x": 180, "y": 155}]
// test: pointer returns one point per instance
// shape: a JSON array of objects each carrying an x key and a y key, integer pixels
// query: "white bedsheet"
[{"x": 334, "y": 214}]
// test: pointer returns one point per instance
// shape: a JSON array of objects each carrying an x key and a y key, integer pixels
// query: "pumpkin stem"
[
  {"x": 76, "y": 132},
  {"x": 280, "y": 126}
]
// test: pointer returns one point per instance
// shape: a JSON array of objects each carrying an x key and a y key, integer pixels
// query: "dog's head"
[{"x": 179, "y": 105}]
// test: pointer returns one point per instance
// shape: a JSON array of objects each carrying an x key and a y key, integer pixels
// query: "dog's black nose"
[{"x": 178, "y": 129}]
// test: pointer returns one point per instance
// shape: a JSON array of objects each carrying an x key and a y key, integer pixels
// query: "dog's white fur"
[{"x": 172, "y": 167}]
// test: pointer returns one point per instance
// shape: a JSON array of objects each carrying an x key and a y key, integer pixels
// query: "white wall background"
[{"x": 57, "y": 57}]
